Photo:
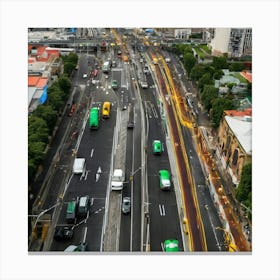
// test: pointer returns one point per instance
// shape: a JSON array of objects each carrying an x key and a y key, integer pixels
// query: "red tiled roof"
[
  {"x": 43, "y": 54},
  {"x": 247, "y": 75},
  {"x": 235, "y": 113},
  {"x": 38, "y": 82},
  {"x": 32, "y": 81},
  {"x": 42, "y": 82}
]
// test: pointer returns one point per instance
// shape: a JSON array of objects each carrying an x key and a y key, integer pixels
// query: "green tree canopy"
[
  {"x": 183, "y": 49},
  {"x": 243, "y": 192},
  {"x": 64, "y": 84},
  {"x": 56, "y": 99},
  {"x": 48, "y": 114},
  {"x": 189, "y": 61},
  {"x": 208, "y": 95},
  {"x": 69, "y": 67},
  {"x": 200, "y": 69},
  {"x": 36, "y": 151},
  {"x": 205, "y": 80},
  {"x": 219, "y": 105},
  {"x": 236, "y": 66},
  {"x": 37, "y": 129},
  {"x": 220, "y": 62},
  {"x": 218, "y": 74}
]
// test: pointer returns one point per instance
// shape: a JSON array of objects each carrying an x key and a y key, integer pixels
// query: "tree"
[
  {"x": 205, "y": 80},
  {"x": 219, "y": 105},
  {"x": 36, "y": 151},
  {"x": 48, "y": 114},
  {"x": 64, "y": 84},
  {"x": 208, "y": 95},
  {"x": 243, "y": 192},
  {"x": 189, "y": 61},
  {"x": 220, "y": 62},
  {"x": 38, "y": 130},
  {"x": 236, "y": 66},
  {"x": 218, "y": 74},
  {"x": 197, "y": 72},
  {"x": 56, "y": 99},
  {"x": 69, "y": 67}
]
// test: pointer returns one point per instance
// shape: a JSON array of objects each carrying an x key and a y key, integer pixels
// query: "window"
[{"x": 235, "y": 157}]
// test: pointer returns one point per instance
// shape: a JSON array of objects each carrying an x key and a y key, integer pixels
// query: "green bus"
[
  {"x": 94, "y": 118},
  {"x": 171, "y": 245},
  {"x": 164, "y": 180}
]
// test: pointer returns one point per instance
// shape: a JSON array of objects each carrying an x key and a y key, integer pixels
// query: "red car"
[{"x": 72, "y": 110}]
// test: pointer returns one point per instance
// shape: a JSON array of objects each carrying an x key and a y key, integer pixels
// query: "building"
[
  {"x": 37, "y": 92},
  {"x": 235, "y": 42},
  {"x": 234, "y": 143},
  {"x": 43, "y": 65},
  {"x": 43, "y": 61},
  {"x": 182, "y": 33}
]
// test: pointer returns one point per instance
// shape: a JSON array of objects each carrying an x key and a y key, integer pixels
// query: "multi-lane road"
[{"x": 156, "y": 215}]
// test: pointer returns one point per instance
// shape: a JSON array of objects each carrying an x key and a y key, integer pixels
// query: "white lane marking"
[
  {"x": 161, "y": 209},
  {"x": 91, "y": 201},
  {"x": 86, "y": 174},
  {"x": 97, "y": 176},
  {"x": 91, "y": 154},
  {"x": 99, "y": 171},
  {"x": 85, "y": 235}
]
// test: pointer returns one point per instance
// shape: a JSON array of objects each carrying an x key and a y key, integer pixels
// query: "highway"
[{"x": 185, "y": 212}]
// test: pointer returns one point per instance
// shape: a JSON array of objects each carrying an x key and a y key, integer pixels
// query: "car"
[
  {"x": 63, "y": 232},
  {"x": 114, "y": 84},
  {"x": 144, "y": 84},
  {"x": 126, "y": 205},
  {"x": 85, "y": 75},
  {"x": 77, "y": 248},
  {"x": 71, "y": 211},
  {"x": 164, "y": 179},
  {"x": 157, "y": 147},
  {"x": 83, "y": 206},
  {"x": 171, "y": 245},
  {"x": 82, "y": 247},
  {"x": 130, "y": 124},
  {"x": 72, "y": 110}
]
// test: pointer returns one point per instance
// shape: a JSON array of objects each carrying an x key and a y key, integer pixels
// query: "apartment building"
[{"x": 235, "y": 42}]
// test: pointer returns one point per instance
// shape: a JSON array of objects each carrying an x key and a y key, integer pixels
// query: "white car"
[
  {"x": 144, "y": 84},
  {"x": 84, "y": 75}
]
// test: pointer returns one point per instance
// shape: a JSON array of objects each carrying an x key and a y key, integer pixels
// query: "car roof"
[
  {"x": 164, "y": 173},
  {"x": 83, "y": 200},
  {"x": 171, "y": 244},
  {"x": 71, "y": 206}
]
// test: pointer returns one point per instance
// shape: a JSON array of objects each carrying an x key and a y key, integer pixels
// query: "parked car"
[
  {"x": 126, "y": 205},
  {"x": 63, "y": 232}
]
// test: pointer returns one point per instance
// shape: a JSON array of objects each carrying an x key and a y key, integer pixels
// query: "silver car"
[{"x": 126, "y": 205}]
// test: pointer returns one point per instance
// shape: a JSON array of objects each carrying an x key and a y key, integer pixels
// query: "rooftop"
[{"x": 241, "y": 126}]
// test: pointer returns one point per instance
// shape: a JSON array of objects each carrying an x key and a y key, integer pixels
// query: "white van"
[
  {"x": 79, "y": 165},
  {"x": 117, "y": 180}
]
